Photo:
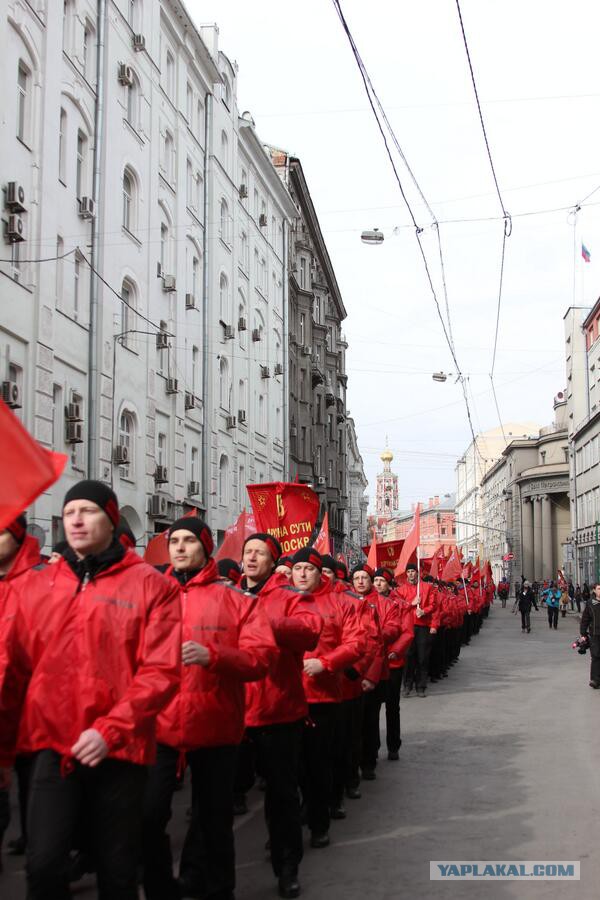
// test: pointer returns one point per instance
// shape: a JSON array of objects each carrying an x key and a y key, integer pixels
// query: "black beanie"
[
  {"x": 309, "y": 555},
  {"x": 329, "y": 562},
  {"x": 286, "y": 561},
  {"x": 412, "y": 566},
  {"x": 97, "y": 492},
  {"x": 126, "y": 536},
  {"x": 228, "y": 568},
  {"x": 384, "y": 573},
  {"x": 272, "y": 543},
  {"x": 195, "y": 526},
  {"x": 18, "y": 528},
  {"x": 364, "y": 568},
  {"x": 341, "y": 570}
]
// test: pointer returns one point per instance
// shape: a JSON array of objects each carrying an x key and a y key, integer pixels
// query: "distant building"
[
  {"x": 386, "y": 496},
  {"x": 358, "y": 500},
  {"x": 437, "y": 523}
]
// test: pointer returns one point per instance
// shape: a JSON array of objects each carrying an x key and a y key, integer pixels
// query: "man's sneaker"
[{"x": 420, "y": 692}]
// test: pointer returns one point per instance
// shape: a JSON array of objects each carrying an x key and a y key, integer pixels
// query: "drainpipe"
[
  {"x": 286, "y": 357},
  {"x": 94, "y": 337},
  {"x": 205, "y": 288}
]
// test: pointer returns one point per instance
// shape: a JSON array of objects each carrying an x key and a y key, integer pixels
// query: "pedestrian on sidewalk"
[
  {"x": 551, "y": 596},
  {"x": 564, "y": 602},
  {"x": 571, "y": 593},
  {"x": 578, "y": 598},
  {"x": 585, "y": 592},
  {"x": 590, "y": 628},
  {"x": 525, "y": 600}
]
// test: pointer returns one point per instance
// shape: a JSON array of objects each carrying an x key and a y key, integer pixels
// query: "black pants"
[
  {"x": 371, "y": 738},
  {"x": 392, "y": 711},
  {"x": 112, "y": 796},
  {"x": 316, "y": 766},
  {"x": 208, "y": 859},
  {"x": 553, "y": 616},
  {"x": 4, "y": 814},
  {"x": 526, "y": 619},
  {"x": 595, "y": 658},
  {"x": 347, "y": 747},
  {"x": 278, "y": 755},
  {"x": 417, "y": 663}
]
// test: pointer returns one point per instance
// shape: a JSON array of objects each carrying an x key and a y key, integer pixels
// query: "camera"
[{"x": 581, "y": 644}]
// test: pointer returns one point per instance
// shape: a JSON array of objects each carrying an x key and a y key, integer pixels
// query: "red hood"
[
  {"x": 206, "y": 575},
  {"x": 27, "y": 557}
]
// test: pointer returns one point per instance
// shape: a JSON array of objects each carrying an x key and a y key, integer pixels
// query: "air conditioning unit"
[
  {"x": 11, "y": 394},
  {"x": 169, "y": 283},
  {"x": 228, "y": 332},
  {"x": 15, "y": 197},
  {"x": 265, "y": 372},
  {"x": 243, "y": 191},
  {"x": 241, "y": 416},
  {"x": 87, "y": 208},
  {"x": 193, "y": 488},
  {"x": 73, "y": 412},
  {"x": 15, "y": 229},
  {"x": 256, "y": 334},
  {"x": 160, "y": 475},
  {"x": 73, "y": 432},
  {"x": 121, "y": 455},
  {"x": 139, "y": 42},
  {"x": 190, "y": 301},
  {"x": 157, "y": 506},
  {"x": 190, "y": 400},
  {"x": 231, "y": 422},
  {"x": 262, "y": 220},
  {"x": 171, "y": 386},
  {"x": 278, "y": 369},
  {"x": 242, "y": 324},
  {"x": 306, "y": 350},
  {"x": 162, "y": 340},
  {"x": 125, "y": 75},
  {"x": 321, "y": 479}
]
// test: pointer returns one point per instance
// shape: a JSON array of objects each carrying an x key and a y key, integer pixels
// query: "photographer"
[{"x": 590, "y": 628}]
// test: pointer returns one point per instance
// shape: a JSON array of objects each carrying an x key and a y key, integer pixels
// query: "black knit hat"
[
  {"x": 341, "y": 569},
  {"x": 329, "y": 562},
  {"x": 96, "y": 492},
  {"x": 197, "y": 527},
  {"x": 18, "y": 528},
  {"x": 125, "y": 536},
  {"x": 272, "y": 543},
  {"x": 412, "y": 566},
  {"x": 285, "y": 561},
  {"x": 309, "y": 555},
  {"x": 383, "y": 573},
  {"x": 228, "y": 568},
  {"x": 364, "y": 568}
]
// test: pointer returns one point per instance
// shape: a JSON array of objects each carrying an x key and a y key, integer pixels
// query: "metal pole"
[
  {"x": 286, "y": 357},
  {"x": 205, "y": 288}
]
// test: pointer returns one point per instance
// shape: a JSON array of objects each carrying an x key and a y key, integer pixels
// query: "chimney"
[
  {"x": 430, "y": 502},
  {"x": 436, "y": 500}
]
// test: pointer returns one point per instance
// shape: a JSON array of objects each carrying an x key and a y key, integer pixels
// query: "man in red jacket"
[
  {"x": 341, "y": 644},
  {"x": 94, "y": 640},
  {"x": 421, "y": 598},
  {"x": 19, "y": 552},
  {"x": 388, "y": 616},
  {"x": 276, "y": 707},
  {"x": 226, "y": 641},
  {"x": 397, "y": 653}
]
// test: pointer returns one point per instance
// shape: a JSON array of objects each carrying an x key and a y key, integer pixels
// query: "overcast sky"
[{"x": 536, "y": 66}]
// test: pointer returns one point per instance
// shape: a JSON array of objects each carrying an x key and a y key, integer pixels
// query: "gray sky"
[{"x": 536, "y": 65}]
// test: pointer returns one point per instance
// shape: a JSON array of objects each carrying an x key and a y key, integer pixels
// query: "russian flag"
[{"x": 585, "y": 253}]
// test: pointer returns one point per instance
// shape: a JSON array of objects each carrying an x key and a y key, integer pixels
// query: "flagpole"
[
  {"x": 418, "y": 578},
  {"x": 465, "y": 587}
]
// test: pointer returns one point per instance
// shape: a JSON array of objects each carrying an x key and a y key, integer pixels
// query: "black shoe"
[
  {"x": 528, "y": 630},
  {"x": 17, "y": 846},
  {"x": 186, "y": 889},
  {"x": 240, "y": 807},
  {"x": 595, "y": 684},
  {"x": 318, "y": 841},
  {"x": 420, "y": 692},
  {"x": 337, "y": 812},
  {"x": 434, "y": 680},
  {"x": 368, "y": 774},
  {"x": 353, "y": 793},
  {"x": 406, "y": 692},
  {"x": 393, "y": 755},
  {"x": 289, "y": 886},
  {"x": 80, "y": 864}
]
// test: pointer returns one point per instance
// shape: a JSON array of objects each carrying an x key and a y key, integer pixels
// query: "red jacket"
[
  {"x": 341, "y": 644},
  {"x": 389, "y": 620},
  {"x": 103, "y": 654},
  {"x": 208, "y": 709},
  {"x": 408, "y": 592},
  {"x": 369, "y": 665},
  {"x": 296, "y": 624},
  {"x": 401, "y": 645},
  {"x": 28, "y": 556}
]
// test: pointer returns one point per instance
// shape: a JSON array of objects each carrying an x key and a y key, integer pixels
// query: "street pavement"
[{"x": 499, "y": 762}]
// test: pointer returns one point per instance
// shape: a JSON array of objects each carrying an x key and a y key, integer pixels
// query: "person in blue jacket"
[{"x": 551, "y": 597}]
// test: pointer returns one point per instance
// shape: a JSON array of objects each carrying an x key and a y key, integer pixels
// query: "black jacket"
[
  {"x": 590, "y": 619},
  {"x": 526, "y": 599}
]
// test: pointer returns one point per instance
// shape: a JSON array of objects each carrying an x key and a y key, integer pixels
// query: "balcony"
[
  {"x": 329, "y": 398},
  {"x": 318, "y": 376},
  {"x": 341, "y": 412}
]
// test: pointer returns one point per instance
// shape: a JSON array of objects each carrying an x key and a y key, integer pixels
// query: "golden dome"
[{"x": 387, "y": 455}]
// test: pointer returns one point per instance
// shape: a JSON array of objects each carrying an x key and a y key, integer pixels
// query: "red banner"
[
  {"x": 453, "y": 567},
  {"x": 388, "y": 554},
  {"x": 411, "y": 544},
  {"x": 287, "y": 511},
  {"x": 235, "y": 535},
  {"x": 322, "y": 543}
]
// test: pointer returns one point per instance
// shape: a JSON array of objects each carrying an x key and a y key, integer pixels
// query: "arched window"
[
  {"x": 224, "y": 150},
  {"x": 244, "y": 252},
  {"x": 81, "y": 170},
  {"x": 133, "y": 103},
  {"x": 224, "y": 392},
  {"x": 165, "y": 248},
  {"x": 226, "y": 91},
  {"x": 134, "y": 15},
  {"x": 128, "y": 201},
  {"x": 224, "y": 222},
  {"x": 242, "y": 320},
  {"x": 169, "y": 156},
  {"x": 262, "y": 424},
  {"x": 128, "y": 316},
  {"x": 224, "y": 480},
  {"x": 62, "y": 147},
  {"x": 224, "y": 298},
  {"x": 170, "y": 75},
  {"x": 126, "y": 444}
]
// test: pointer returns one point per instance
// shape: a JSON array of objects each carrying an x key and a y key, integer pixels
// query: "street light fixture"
[
  {"x": 374, "y": 236},
  {"x": 439, "y": 376}
]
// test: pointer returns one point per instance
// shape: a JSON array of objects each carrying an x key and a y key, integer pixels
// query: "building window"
[
  {"x": 262, "y": 424},
  {"x": 226, "y": 91},
  {"x": 161, "y": 449},
  {"x": 194, "y": 473},
  {"x": 302, "y": 329},
  {"x": 168, "y": 159},
  {"x": 133, "y": 16},
  {"x": 62, "y": 146},
  {"x": 224, "y": 392},
  {"x": 195, "y": 363},
  {"x": 199, "y": 192},
  {"x": 60, "y": 269},
  {"x": 170, "y": 75},
  {"x": 127, "y": 313},
  {"x": 88, "y": 50},
  {"x": 189, "y": 183},
  {"x": 244, "y": 252},
  {"x": 224, "y": 480},
  {"x": 127, "y": 440},
  {"x": 164, "y": 248},
  {"x": 67, "y": 19},
  {"x": 76, "y": 287},
  {"x": 23, "y": 87},
  {"x": 128, "y": 199},
  {"x": 57, "y": 417},
  {"x": 224, "y": 150},
  {"x": 199, "y": 120},
  {"x": 189, "y": 104},
  {"x": 133, "y": 103},
  {"x": 224, "y": 222},
  {"x": 195, "y": 276},
  {"x": 81, "y": 164},
  {"x": 302, "y": 272},
  {"x": 224, "y": 298}
]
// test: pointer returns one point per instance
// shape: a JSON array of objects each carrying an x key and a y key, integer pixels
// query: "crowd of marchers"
[{"x": 116, "y": 677}]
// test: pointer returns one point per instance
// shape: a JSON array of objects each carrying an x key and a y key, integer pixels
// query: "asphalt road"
[{"x": 499, "y": 762}]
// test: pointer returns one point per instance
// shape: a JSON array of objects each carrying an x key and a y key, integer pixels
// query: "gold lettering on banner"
[{"x": 280, "y": 507}]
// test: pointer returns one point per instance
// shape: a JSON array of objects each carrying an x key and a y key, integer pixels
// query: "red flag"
[
  {"x": 411, "y": 544},
  {"x": 467, "y": 570},
  {"x": 437, "y": 563},
  {"x": 287, "y": 511},
  {"x": 453, "y": 568},
  {"x": 322, "y": 544},
  {"x": 486, "y": 574},
  {"x": 235, "y": 535},
  {"x": 388, "y": 553},
  {"x": 28, "y": 469},
  {"x": 157, "y": 551},
  {"x": 372, "y": 557}
]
